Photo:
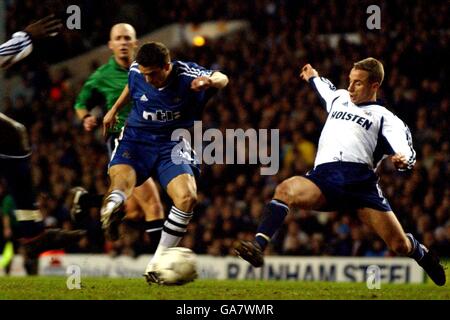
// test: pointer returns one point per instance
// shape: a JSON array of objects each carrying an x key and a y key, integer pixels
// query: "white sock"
[
  {"x": 114, "y": 199},
  {"x": 155, "y": 256},
  {"x": 173, "y": 230}
]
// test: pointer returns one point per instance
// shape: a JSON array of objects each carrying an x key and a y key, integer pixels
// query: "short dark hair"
[
  {"x": 373, "y": 67},
  {"x": 153, "y": 54}
]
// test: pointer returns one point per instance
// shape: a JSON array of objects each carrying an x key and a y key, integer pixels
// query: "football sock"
[
  {"x": 115, "y": 199},
  {"x": 273, "y": 217},
  {"x": 173, "y": 230},
  {"x": 417, "y": 251},
  {"x": 154, "y": 230},
  {"x": 175, "y": 227}
]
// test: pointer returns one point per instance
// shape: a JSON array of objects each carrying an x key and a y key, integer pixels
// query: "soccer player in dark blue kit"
[{"x": 166, "y": 95}]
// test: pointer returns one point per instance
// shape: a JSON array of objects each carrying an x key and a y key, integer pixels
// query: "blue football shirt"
[{"x": 162, "y": 110}]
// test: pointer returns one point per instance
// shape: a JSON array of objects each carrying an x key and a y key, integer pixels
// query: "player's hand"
[
  {"x": 49, "y": 26},
  {"x": 7, "y": 233},
  {"x": 201, "y": 83},
  {"x": 399, "y": 161},
  {"x": 307, "y": 72},
  {"x": 109, "y": 120},
  {"x": 89, "y": 123}
]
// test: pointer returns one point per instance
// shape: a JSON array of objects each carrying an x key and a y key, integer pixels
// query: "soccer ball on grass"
[{"x": 176, "y": 266}]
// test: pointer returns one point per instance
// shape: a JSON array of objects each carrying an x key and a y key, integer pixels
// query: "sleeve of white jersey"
[
  {"x": 326, "y": 91},
  {"x": 399, "y": 137},
  {"x": 15, "y": 49}
]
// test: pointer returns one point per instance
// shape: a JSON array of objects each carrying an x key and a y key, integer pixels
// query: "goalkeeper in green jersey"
[{"x": 109, "y": 81}]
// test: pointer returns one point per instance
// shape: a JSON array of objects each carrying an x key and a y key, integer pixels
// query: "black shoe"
[
  {"x": 432, "y": 266},
  {"x": 112, "y": 229},
  {"x": 152, "y": 277},
  {"x": 251, "y": 252},
  {"x": 31, "y": 265},
  {"x": 74, "y": 199}
]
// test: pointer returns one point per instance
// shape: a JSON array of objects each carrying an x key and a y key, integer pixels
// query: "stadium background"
[{"x": 264, "y": 92}]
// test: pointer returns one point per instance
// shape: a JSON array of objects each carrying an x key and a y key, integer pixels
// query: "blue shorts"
[
  {"x": 112, "y": 142},
  {"x": 348, "y": 185},
  {"x": 156, "y": 156}
]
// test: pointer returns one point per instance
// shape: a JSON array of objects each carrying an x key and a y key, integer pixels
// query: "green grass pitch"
[{"x": 137, "y": 289}]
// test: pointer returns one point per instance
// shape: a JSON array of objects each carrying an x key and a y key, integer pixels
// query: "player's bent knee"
[
  {"x": 123, "y": 177},
  {"x": 284, "y": 192},
  {"x": 185, "y": 201},
  {"x": 299, "y": 192}
]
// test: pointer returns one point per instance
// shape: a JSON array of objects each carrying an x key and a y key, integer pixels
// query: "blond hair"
[{"x": 373, "y": 66}]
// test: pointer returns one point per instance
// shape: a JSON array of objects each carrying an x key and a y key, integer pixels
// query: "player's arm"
[
  {"x": 399, "y": 138},
  {"x": 89, "y": 121},
  {"x": 216, "y": 80},
  {"x": 324, "y": 88},
  {"x": 110, "y": 118},
  {"x": 15, "y": 49},
  {"x": 8, "y": 209},
  {"x": 7, "y": 231},
  {"x": 20, "y": 45}
]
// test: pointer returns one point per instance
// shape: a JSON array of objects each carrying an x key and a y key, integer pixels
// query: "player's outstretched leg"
[
  {"x": 183, "y": 191},
  {"x": 427, "y": 260},
  {"x": 387, "y": 226},
  {"x": 15, "y": 166},
  {"x": 148, "y": 200},
  {"x": 123, "y": 181},
  {"x": 273, "y": 217},
  {"x": 296, "y": 191},
  {"x": 174, "y": 229},
  {"x": 49, "y": 239}
]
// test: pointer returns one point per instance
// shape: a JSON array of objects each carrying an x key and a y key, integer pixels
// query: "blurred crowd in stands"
[{"x": 265, "y": 91}]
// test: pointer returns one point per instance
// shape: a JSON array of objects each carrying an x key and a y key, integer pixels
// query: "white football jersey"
[
  {"x": 15, "y": 49},
  {"x": 363, "y": 133}
]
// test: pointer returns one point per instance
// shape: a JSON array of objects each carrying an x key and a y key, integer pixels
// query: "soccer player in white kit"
[{"x": 358, "y": 134}]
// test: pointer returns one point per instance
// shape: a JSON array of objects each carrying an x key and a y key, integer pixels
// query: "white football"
[{"x": 176, "y": 266}]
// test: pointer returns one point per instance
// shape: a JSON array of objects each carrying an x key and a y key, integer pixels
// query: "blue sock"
[
  {"x": 418, "y": 251},
  {"x": 273, "y": 217}
]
